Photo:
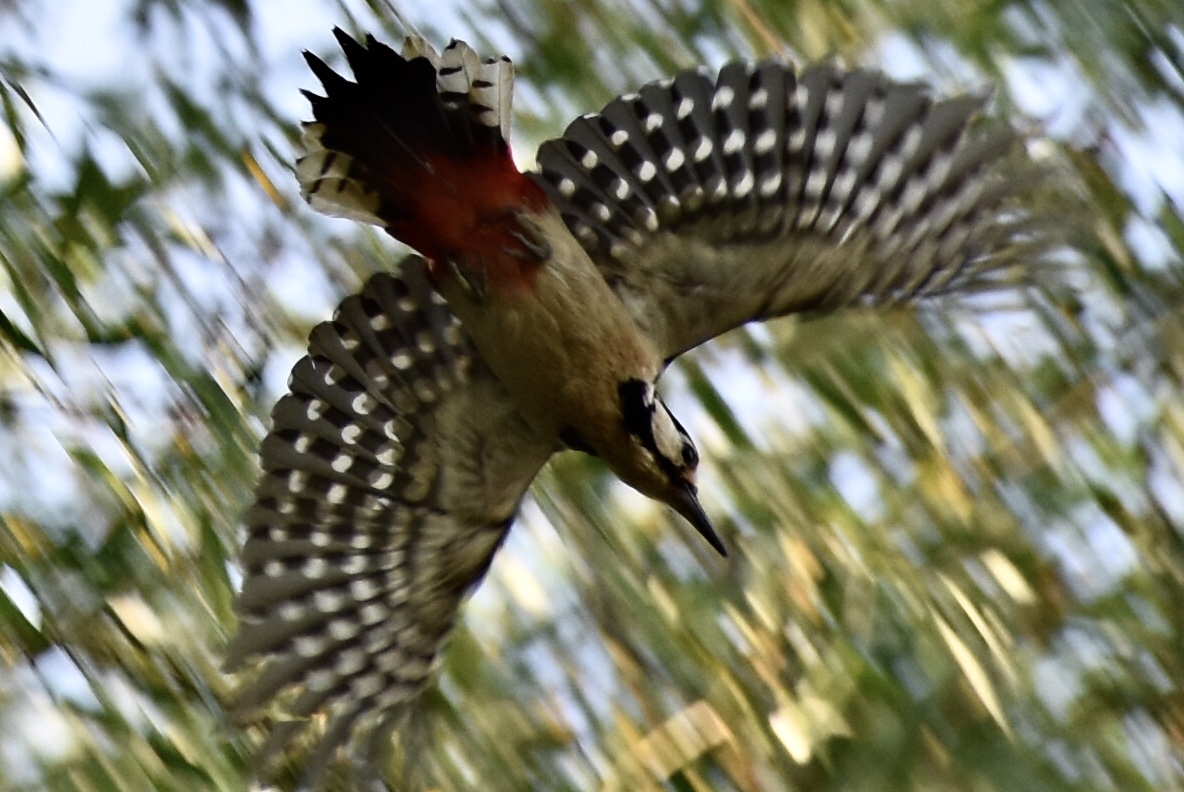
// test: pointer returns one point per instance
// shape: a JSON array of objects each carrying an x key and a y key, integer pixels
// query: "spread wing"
[
  {"x": 392, "y": 473},
  {"x": 709, "y": 202}
]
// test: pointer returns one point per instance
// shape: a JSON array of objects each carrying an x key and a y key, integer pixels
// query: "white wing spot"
[
  {"x": 859, "y": 149},
  {"x": 373, "y": 613},
  {"x": 619, "y": 138},
  {"x": 350, "y": 434},
  {"x": 389, "y": 454},
  {"x": 685, "y": 107},
  {"x": 349, "y": 662},
  {"x": 363, "y": 589},
  {"x": 759, "y": 99},
  {"x": 702, "y": 150},
  {"x": 911, "y": 142},
  {"x": 824, "y": 144},
  {"x": 914, "y": 194},
  {"x": 717, "y": 189},
  {"x": 336, "y": 493},
  {"x": 834, "y": 103},
  {"x": 314, "y": 567},
  {"x": 308, "y": 645},
  {"x": 867, "y": 200},
  {"x": 770, "y": 185},
  {"x": 361, "y": 541},
  {"x": 589, "y": 159},
  {"x": 646, "y": 172},
  {"x": 734, "y": 141},
  {"x": 723, "y": 97},
  {"x": 401, "y": 360},
  {"x": 873, "y": 111},
  {"x": 328, "y": 601},
  {"x": 653, "y": 121},
  {"x": 391, "y": 429},
  {"x": 674, "y": 160},
  {"x": 380, "y": 636},
  {"x": 765, "y": 141},
  {"x": 842, "y": 186},
  {"x": 291, "y": 611},
  {"x": 890, "y": 170},
  {"x": 343, "y": 629},
  {"x": 567, "y": 187},
  {"x": 363, "y": 404},
  {"x": 321, "y": 680},
  {"x": 342, "y": 463},
  {"x": 369, "y": 685},
  {"x": 390, "y": 661},
  {"x": 744, "y": 186},
  {"x": 815, "y": 183}
]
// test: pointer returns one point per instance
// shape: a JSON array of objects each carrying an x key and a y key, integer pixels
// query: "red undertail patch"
[{"x": 444, "y": 175}]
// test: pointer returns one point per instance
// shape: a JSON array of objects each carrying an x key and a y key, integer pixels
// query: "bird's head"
[{"x": 660, "y": 459}]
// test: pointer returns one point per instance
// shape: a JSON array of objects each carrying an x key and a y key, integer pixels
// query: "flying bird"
[{"x": 540, "y": 310}]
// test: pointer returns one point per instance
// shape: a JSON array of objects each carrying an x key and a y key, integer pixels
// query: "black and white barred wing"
[
  {"x": 391, "y": 475},
  {"x": 709, "y": 202}
]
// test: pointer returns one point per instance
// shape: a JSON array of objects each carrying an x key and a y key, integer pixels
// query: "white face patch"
[
  {"x": 667, "y": 436},
  {"x": 660, "y": 437}
]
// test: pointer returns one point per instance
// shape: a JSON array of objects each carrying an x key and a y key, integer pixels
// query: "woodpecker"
[{"x": 540, "y": 310}]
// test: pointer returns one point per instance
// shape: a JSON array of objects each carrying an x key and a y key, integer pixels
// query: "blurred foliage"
[{"x": 958, "y": 553}]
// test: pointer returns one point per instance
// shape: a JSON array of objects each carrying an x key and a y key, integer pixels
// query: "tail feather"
[
  {"x": 329, "y": 182},
  {"x": 416, "y": 144},
  {"x": 484, "y": 87}
]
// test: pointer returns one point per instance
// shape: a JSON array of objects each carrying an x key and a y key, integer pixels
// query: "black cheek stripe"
[{"x": 637, "y": 417}]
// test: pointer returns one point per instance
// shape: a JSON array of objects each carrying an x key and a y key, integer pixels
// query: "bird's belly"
[{"x": 562, "y": 347}]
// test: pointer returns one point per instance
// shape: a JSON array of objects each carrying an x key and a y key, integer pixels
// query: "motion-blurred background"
[{"x": 957, "y": 545}]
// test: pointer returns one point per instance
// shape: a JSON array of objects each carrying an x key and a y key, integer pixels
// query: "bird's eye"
[{"x": 690, "y": 457}]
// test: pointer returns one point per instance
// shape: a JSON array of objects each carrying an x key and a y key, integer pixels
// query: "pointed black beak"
[{"x": 686, "y": 503}]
